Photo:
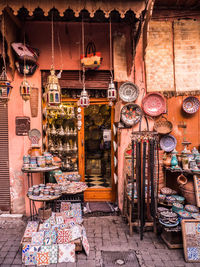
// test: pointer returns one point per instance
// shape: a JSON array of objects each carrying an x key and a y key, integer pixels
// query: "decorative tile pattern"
[
  {"x": 54, "y": 254},
  {"x": 43, "y": 258},
  {"x": 59, "y": 220},
  {"x": 25, "y": 249},
  {"x": 70, "y": 222},
  {"x": 64, "y": 236},
  {"x": 77, "y": 212},
  {"x": 85, "y": 242},
  {"x": 47, "y": 238},
  {"x": 66, "y": 253},
  {"x": 76, "y": 232},
  {"x": 53, "y": 236},
  {"x": 31, "y": 258},
  {"x": 35, "y": 249},
  {"x": 37, "y": 239},
  {"x": 193, "y": 253},
  {"x": 65, "y": 206}
]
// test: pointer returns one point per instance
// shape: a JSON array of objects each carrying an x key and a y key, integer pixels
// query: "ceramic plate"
[
  {"x": 191, "y": 104},
  {"x": 128, "y": 92},
  {"x": 168, "y": 143},
  {"x": 115, "y": 161},
  {"x": 169, "y": 224},
  {"x": 131, "y": 114},
  {"x": 115, "y": 178},
  {"x": 154, "y": 104},
  {"x": 34, "y": 133},
  {"x": 184, "y": 214},
  {"x": 114, "y": 146},
  {"x": 114, "y": 129},
  {"x": 191, "y": 208}
]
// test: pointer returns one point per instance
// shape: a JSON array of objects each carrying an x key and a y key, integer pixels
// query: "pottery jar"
[
  {"x": 41, "y": 161},
  {"x": 26, "y": 159},
  {"x": 46, "y": 192},
  {"x": 185, "y": 161},
  {"x": 48, "y": 159},
  {"x": 174, "y": 161},
  {"x": 36, "y": 192},
  {"x": 33, "y": 160}
]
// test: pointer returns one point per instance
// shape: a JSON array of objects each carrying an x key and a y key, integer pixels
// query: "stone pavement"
[{"x": 108, "y": 233}]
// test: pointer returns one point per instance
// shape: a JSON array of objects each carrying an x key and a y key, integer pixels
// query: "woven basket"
[
  {"x": 34, "y": 102},
  {"x": 44, "y": 215},
  {"x": 163, "y": 126}
]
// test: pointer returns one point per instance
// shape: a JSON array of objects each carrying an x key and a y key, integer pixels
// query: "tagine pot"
[
  {"x": 35, "y": 152},
  {"x": 166, "y": 160}
]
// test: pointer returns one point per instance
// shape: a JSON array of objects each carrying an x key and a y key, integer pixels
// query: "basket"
[
  {"x": 163, "y": 126},
  {"x": 34, "y": 102},
  {"x": 44, "y": 214}
]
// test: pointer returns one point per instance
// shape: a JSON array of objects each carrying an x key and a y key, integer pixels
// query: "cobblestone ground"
[{"x": 108, "y": 233}]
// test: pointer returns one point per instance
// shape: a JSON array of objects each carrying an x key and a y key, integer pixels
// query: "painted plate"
[
  {"x": 168, "y": 143},
  {"x": 184, "y": 214},
  {"x": 115, "y": 178},
  {"x": 114, "y": 129},
  {"x": 191, "y": 208},
  {"x": 169, "y": 224},
  {"x": 114, "y": 146},
  {"x": 128, "y": 92},
  {"x": 115, "y": 161},
  {"x": 131, "y": 114},
  {"x": 191, "y": 104},
  {"x": 154, "y": 104}
]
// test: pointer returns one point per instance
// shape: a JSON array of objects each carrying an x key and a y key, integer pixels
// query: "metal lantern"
[
  {"x": 25, "y": 90},
  {"x": 84, "y": 99},
  {"x": 53, "y": 89},
  {"x": 5, "y": 87},
  {"x": 112, "y": 93}
]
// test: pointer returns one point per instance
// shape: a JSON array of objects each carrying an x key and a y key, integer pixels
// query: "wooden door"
[{"x": 96, "y": 152}]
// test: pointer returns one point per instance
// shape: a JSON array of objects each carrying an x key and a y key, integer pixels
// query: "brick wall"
[
  {"x": 159, "y": 57},
  {"x": 181, "y": 38},
  {"x": 187, "y": 55}
]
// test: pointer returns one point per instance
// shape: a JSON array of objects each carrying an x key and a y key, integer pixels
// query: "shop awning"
[{"x": 137, "y": 6}]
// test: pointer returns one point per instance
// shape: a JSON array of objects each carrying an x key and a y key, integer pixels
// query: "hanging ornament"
[
  {"x": 84, "y": 99},
  {"x": 112, "y": 92},
  {"x": 25, "y": 89},
  {"x": 52, "y": 86},
  {"x": 5, "y": 86}
]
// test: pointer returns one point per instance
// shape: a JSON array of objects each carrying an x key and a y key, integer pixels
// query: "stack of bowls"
[{"x": 169, "y": 219}]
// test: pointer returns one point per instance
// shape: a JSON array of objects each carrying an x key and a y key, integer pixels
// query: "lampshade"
[
  {"x": 25, "y": 90},
  {"x": 5, "y": 87},
  {"x": 84, "y": 99},
  {"x": 53, "y": 89}
]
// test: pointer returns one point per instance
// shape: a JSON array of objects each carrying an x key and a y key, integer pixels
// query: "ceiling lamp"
[
  {"x": 52, "y": 86},
  {"x": 53, "y": 89},
  {"x": 5, "y": 86},
  {"x": 112, "y": 92},
  {"x": 25, "y": 89}
]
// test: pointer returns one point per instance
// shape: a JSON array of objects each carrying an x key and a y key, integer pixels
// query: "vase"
[{"x": 174, "y": 161}]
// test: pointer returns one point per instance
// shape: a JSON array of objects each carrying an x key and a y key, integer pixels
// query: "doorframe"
[{"x": 95, "y": 194}]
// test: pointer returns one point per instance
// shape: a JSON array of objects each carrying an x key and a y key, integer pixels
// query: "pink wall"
[{"x": 39, "y": 36}]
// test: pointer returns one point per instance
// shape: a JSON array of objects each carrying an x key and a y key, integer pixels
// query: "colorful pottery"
[
  {"x": 169, "y": 224},
  {"x": 154, "y": 104},
  {"x": 168, "y": 143},
  {"x": 191, "y": 104},
  {"x": 166, "y": 191},
  {"x": 184, "y": 214},
  {"x": 128, "y": 92},
  {"x": 176, "y": 206},
  {"x": 179, "y": 199},
  {"x": 191, "y": 208}
]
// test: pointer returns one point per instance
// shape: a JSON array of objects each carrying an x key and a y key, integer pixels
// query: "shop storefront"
[{"x": 84, "y": 138}]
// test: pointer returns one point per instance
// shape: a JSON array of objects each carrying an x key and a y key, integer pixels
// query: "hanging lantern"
[
  {"x": 84, "y": 99},
  {"x": 25, "y": 90},
  {"x": 112, "y": 93},
  {"x": 53, "y": 89},
  {"x": 5, "y": 87}
]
